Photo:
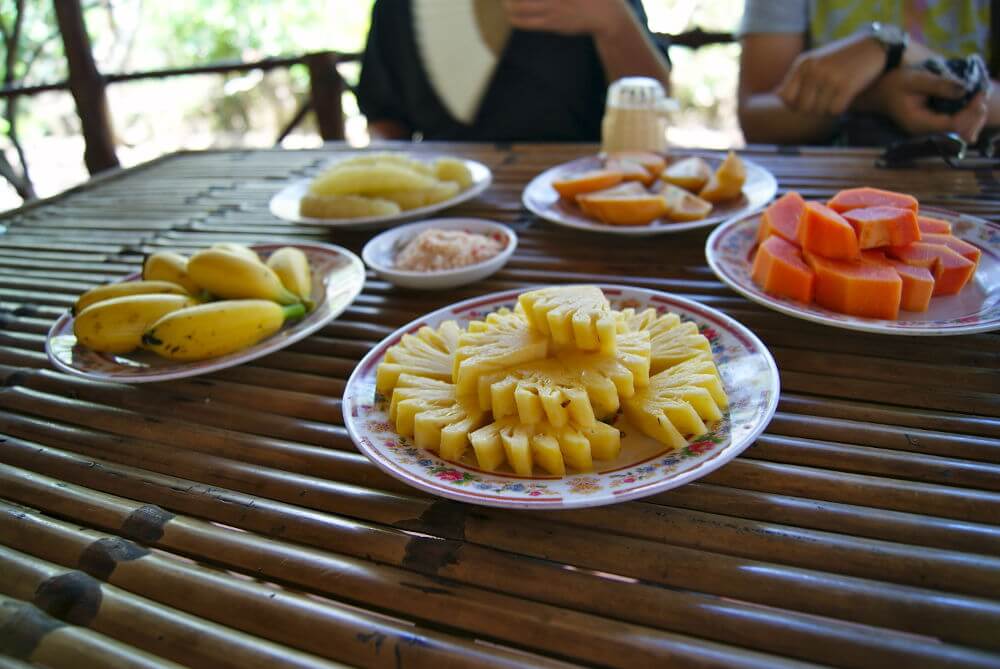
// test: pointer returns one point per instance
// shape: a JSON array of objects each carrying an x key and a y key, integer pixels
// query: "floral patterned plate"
[
  {"x": 643, "y": 468},
  {"x": 285, "y": 203},
  {"x": 543, "y": 201},
  {"x": 337, "y": 275},
  {"x": 975, "y": 309}
]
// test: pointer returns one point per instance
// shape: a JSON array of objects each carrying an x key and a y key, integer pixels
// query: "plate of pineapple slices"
[
  {"x": 561, "y": 397},
  {"x": 223, "y": 306}
]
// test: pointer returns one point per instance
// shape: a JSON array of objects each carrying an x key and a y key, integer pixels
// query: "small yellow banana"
[
  {"x": 292, "y": 267},
  {"x": 236, "y": 277},
  {"x": 238, "y": 249},
  {"x": 117, "y": 325},
  {"x": 112, "y": 290},
  {"x": 217, "y": 328},
  {"x": 169, "y": 266}
]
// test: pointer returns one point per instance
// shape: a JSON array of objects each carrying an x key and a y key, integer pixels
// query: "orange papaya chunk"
[
  {"x": 918, "y": 286},
  {"x": 778, "y": 269},
  {"x": 960, "y": 246},
  {"x": 782, "y": 218},
  {"x": 586, "y": 182},
  {"x": 933, "y": 225},
  {"x": 727, "y": 182},
  {"x": 866, "y": 288},
  {"x": 951, "y": 271},
  {"x": 859, "y": 198},
  {"x": 689, "y": 173},
  {"x": 883, "y": 226},
  {"x": 653, "y": 162},
  {"x": 824, "y": 232}
]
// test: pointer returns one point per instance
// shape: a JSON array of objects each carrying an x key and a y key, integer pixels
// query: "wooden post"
[
  {"x": 326, "y": 88},
  {"x": 87, "y": 86}
]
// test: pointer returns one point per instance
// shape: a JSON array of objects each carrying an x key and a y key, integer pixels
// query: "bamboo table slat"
[{"x": 228, "y": 521}]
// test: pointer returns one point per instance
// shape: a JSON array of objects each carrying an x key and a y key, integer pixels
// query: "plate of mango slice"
[
  {"x": 561, "y": 397},
  {"x": 640, "y": 193},
  {"x": 374, "y": 189}
]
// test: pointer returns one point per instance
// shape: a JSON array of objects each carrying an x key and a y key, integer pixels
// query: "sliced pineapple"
[
  {"x": 577, "y": 316},
  {"x": 678, "y": 401},
  {"x": 551, "y": 448},
  {"x": 581, "y": 387},
  {"x": 671, "y": 341},
  {"x": 503, "y": 339},
  {"x": 429, "y": 411},
  {"x": 428, "y": 353}
]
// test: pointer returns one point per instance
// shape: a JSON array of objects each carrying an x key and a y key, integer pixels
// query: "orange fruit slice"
[{"x": 586, "y": 182}]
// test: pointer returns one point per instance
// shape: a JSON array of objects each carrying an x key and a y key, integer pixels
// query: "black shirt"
[{"x": 546, "y": 87}]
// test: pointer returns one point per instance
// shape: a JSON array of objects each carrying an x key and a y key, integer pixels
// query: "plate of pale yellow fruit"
[
  {"x": 638, "y": 193},
  {"x": 223, "y": 305},
  {"x": 561, "y": 397},
  {"x": 375, "y": 189}
]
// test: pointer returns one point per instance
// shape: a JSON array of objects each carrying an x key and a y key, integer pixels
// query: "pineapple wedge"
[
  {"x": 551, "y": 448},
  {"x": 671, "y": 341},
  {"x": 503, "y": 339},
  {"x": 577, "y": 316},
  {"x": 429, "y": 411},
  {"x": 678, "y": 401},
  {"x": 573, "y": 386},
  {"x": 428, "y": 353}
]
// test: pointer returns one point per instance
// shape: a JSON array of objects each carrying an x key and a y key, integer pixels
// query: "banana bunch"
[{"x": 220, "y": 300}]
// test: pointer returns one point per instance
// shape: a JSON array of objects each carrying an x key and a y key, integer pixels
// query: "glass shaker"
[{"x": 636, "y": 116}]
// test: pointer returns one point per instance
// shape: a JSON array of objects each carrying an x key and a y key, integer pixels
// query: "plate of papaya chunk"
[
  {"x": 639, "y": 193},
  {"x": 867, "y": 259}
]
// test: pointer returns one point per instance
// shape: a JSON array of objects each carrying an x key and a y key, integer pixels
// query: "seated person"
[
  {"x": 820, "y": 71},
  {"x": 500, "y": 70}
]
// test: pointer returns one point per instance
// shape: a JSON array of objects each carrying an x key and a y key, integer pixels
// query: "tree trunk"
[{"x": 87, "y": 86}]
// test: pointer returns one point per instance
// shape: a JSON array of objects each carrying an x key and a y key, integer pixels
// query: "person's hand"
[
  {"x": 567, "y": 17},
  {"x": 902, "y": 96},
  {"x": 826, "y": 80}
]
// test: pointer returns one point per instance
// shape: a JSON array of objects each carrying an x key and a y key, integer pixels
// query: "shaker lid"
[{"x": 638, "y": 93}]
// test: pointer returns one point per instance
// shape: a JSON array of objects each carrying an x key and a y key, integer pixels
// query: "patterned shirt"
[{"x": 952, "y": 28}]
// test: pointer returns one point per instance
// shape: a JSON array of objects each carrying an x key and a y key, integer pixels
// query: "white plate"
[
  {"x": 380, "y": 253},
  {"x": 542, "y": 200},
  {"x": 975, "y": 309},
  {"x": 285, "y": 203},
  {"x": 643, "y": 468},
  {"x": 338, "y": 276}
]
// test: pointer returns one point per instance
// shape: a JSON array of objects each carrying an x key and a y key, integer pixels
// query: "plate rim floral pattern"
[
  {"x": 539, "y": 191},
  {"x": 281, "y": 203},
  {"x": 425, "y": 471},
  {"x": 727, "y": 251},
  {"x": 336, "y": 301}
]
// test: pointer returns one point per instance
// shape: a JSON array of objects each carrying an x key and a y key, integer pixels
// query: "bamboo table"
[{"x": 228, "y": 521}]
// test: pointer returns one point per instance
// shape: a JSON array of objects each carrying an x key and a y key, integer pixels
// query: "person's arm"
[
  {"x": 765, "y": 118},
  {"x": 624, "y": 47},
  {"x": 993, "y": 105},
  {"x": 377, "y": 88},
  {"x": 388, "y": 129}
]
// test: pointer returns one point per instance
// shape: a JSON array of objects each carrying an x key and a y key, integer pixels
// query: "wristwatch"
[{"x": 893, "y": 39}]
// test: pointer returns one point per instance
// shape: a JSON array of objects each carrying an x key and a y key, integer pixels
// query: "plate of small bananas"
[
  {"x": 561, "y": 397},
  {"x": 222, "y": 306},
  {"x": 376, "y": 189}
]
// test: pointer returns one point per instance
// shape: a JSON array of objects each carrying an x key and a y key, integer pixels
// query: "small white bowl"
[{"x": 380, "y": 254}]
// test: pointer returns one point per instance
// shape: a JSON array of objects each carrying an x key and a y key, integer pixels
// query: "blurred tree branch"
[{"x": 12, "y": 41}]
